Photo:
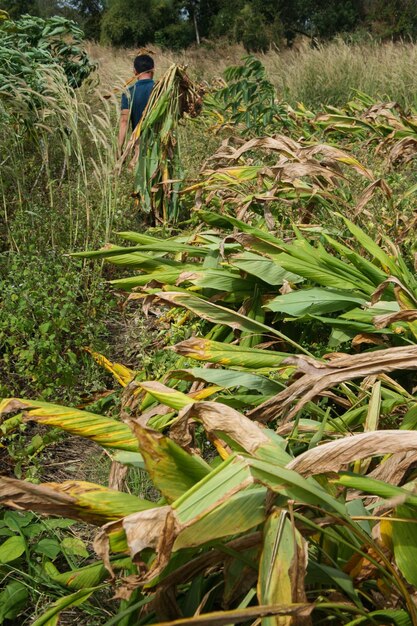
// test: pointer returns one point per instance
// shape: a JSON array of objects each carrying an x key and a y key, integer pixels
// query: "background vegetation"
[{"x": 176, "y": 24}]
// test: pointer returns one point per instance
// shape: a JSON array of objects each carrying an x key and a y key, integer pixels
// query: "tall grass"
[
  {"x": 328, "y": 74},
  {"x": 57, "y": 180},
  {"x": 331, "y": 73}
]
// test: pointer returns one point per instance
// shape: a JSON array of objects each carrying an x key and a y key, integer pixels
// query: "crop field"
[{"x": 207, "y": 352}]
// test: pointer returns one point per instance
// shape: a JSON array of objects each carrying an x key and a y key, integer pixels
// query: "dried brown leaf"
[
  {"x": 382, "y": 321},
  {"x": 221, "y": 618},
  {"x": 286, "y": 287},
  {"x": 186, "y": 276},
  {"x": 154, "y": 528},
  {"x": 289, "y": 172},
  {"x": 317, "y": 376},
  {"x": 101, "y": 545},
  {"x": 394, "y": 469},
  {"x": 360, "y": 568},
  {"x": 216, "y": 419},
  {"x": 19, "y": 494},
  {"x": 369, "y": 192},
  {"x": 117, "y": 476},
  {"x": 279, "y": 143},
  {"x": 377, "y": 294},
  {"x": 333, "y": 456},
  {"x": 403, "y": 151},
  {"x": 336, "y": 155},
  {"x": 124, "y": 591},
  {"x": 367, "y": 338}
]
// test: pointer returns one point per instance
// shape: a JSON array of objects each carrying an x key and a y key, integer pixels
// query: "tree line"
[{"x": 257, "y": 24}]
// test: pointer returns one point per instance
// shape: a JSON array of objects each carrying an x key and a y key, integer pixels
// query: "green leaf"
[
  {"x": 13, "y": 600},
  {"x": 12, "y": 548},
  {"x": 282, "y": 565},
  {"x": 404, "y": 541},
  {"x": 221, "y": 280},
  {"x": 314, "y": 301},
  {"x": 293, "y": 486},
  {"x": 134, "y": 459},
  {"x": 165, "y": 395},
  {"x": 367, "y": 268},
  {"x": 164, "y": 277},
  {"x": 33, "y": 530},
  {"x": 103, "y": 430},
  {"x": 263, "y": 268},
  {"x": 233, "y": 514},
  {"x": 172, "y": 470},
  {"x": 372, "y": 248},
  {"x": 133, "y": 608},
  {"x": 390, "y": 617},
  {"x": 90, "y": 575},
  {"x": 221, "y": 315},
  {"x": 58, "y": 523},
  {"x": 48, "y": 547},
  {"x": 228, "y": 379},
  {"x": 51, "y": 615},
  {"x": 229, "y": 222},
  {"x": 375, "y": 487},
  {"x": 74, "y": 545},
  {"x": 80, "y": 499},
  {"x": 160, "y": 246},
  {"x": 312, "y": 269},
  {"x": 318, "y": 573},
  {"x": 410, "y": 419},
  {"x": 16, "y": 520},
  {"x": 226, "y": 478},
  {"x": 50, "y": 569}
]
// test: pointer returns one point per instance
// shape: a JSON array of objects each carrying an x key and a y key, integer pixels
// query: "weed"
[{"x": 31, "y": 551}]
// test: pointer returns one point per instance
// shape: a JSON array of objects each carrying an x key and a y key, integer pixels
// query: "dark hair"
[{"x": 143, "y": 63}]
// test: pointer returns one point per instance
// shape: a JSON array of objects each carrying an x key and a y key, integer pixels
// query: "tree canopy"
[{"x": 257, "y": 24}]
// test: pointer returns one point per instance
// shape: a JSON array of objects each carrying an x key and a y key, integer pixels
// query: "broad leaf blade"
[
  {"x": 76, "y": 499},
  {"x": 282, "y": 567},
  {"x": 103, "y": 430},
  {"x": 173, "y": 470}
]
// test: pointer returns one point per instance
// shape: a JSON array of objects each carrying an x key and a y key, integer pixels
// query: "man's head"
[{"x": 143, "y": 64}]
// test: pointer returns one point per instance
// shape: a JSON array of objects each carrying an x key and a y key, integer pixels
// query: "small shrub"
[{"x": 248, "y": 99}]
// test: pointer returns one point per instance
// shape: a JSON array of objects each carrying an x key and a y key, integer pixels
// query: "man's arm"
[{"x": 124, "y": 121}]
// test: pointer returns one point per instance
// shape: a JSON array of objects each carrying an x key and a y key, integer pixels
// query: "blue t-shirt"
[{"x": 136, "y": 99}]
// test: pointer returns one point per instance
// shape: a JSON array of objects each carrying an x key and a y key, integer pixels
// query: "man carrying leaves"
[{"x": 135, "y": 100}]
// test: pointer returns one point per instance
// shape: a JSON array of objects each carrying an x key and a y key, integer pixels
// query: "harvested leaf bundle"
[{"x": 158, "y": 168}]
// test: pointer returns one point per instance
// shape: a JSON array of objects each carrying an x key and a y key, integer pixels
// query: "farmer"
[{"x": 135, "y": 100}]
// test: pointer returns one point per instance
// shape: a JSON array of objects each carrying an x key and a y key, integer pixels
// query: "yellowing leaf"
[
  {"x": 122, "y": 374},
  {"x": 103, "y": 430},
  {"x": 172, "y": 469},
  {"x": 75, "y": 499},
  {"x": 171, "y": 397},
  {"x": 282, "y": 567}
]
